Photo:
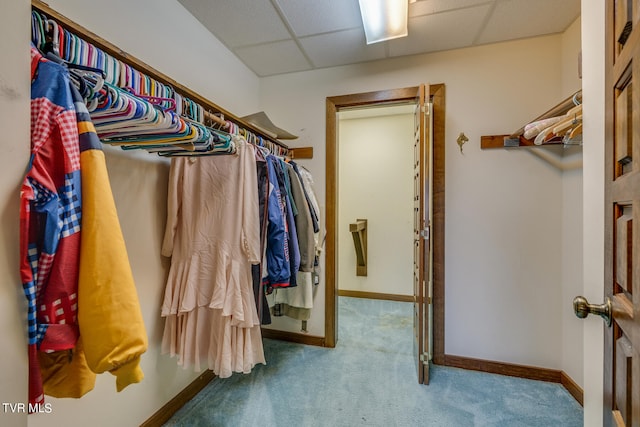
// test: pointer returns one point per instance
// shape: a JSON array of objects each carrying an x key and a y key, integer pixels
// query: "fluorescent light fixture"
[{"x": 384, "y": 19}]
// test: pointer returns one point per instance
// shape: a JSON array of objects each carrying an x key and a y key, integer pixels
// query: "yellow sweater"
[
  {"x": 112, "y": 332},
  {"x": 109, "y": 315}
]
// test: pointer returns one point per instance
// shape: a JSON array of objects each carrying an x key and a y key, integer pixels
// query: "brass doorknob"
[{"x": 582, "y": 308}]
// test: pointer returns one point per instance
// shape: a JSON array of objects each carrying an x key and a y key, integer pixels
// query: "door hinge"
[
  {"x": 424, "y": 358},
  {"x": 424, "y": 233}
]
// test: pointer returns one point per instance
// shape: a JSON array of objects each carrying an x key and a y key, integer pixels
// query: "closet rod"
[
  {"x": 142, "y": 67},
  {"x": 216, "y": 119}
]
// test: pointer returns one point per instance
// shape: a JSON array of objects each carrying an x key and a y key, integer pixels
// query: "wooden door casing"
[
  {"x": 421, "y": 235},
  {"x": 394, "y": 96},
  {"x": 622, "y": 215}
]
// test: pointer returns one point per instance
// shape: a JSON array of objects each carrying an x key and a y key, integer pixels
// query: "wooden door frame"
[{"x": 333, "y": 105}]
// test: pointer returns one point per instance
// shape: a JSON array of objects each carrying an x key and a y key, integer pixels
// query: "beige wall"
[
  {"x": 571, "y": 280},
  {"x": 593, "y": 47},
  {"x": 571, "y": 48},
  {"x": 14, "y": 144},
  {"x": 376, "y": 183},
  {"x": 503, "y": 246}
]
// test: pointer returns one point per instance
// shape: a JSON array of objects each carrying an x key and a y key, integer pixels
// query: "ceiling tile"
[
  {"x": 442, "y": 31},
  {"x": 239, "y": 22},
  {"x": 429, "y": 7},
  {"x": 273, "y": 58},
  {"x": 308, "y": 17},
  {"x": 339, "y": 48},
  {"x": 513, "y": 19},
  {"x": 325, "y": 33}
]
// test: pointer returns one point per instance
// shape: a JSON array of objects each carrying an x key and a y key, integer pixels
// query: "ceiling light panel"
[{"x": 384, "y": 19}]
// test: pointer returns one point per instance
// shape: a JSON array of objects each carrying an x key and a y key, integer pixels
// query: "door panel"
[
  {"x": 622, "y": 201},
  {"x": 422, "y": 240}
]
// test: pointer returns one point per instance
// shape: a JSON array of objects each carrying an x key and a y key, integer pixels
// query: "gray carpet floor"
[{"x": 370, "y": 379}]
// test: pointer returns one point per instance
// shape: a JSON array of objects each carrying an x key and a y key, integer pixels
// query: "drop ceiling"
[{"x": 283, "y": 36}]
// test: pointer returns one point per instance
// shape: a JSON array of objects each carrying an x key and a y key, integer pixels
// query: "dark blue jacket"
[{"x": 277, "y": 250}]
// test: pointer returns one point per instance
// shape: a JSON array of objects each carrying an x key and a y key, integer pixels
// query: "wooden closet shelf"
[
  {"x": 301, "y": 152},
  {"x": 498, "y": 141},
  {"x": 502, "y": 141}
]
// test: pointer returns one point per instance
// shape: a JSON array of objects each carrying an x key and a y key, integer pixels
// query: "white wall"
[
  {"x": 14, "y": 144},
  {"x": 593, "y": 48},
  {"x": 148, "y": 29},
  {"x": 376, "y": 183},
  {"x": 503, "y": 250},
  {"x": 571, "y": 47},
  {"x": 572, "y": 264}
]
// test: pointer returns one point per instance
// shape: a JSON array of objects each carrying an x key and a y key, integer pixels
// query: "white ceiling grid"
[{"x": 282, "y": 36}]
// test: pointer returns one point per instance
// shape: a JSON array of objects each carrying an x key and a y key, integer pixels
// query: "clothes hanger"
[
  {"x": 38, "y": 34},
  {"x": 574, "y": 136},
  {"x": 52, "y": 29},
  {"x": 116, "y": 68},
  {"x": 79, "y": 73},
  {"x": 88, "y": 81},
  {"x": 155, "y": 100},
  {"x": 576, "y": 131},
  {"x": 567, "y": 123},
  {"x": 160, "y": 127},
  {"x": 575, "y": 99}
]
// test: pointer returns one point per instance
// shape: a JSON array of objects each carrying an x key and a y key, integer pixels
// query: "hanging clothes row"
[
  {"x": 226, "y": 217},
  {"x": 258, "y": 141},
  {"x": 293, "y": 244},
  {"x": 84, "y": 317},
  {"x": 177, "y": 127}
]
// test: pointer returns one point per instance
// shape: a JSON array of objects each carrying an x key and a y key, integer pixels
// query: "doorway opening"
[
  {"x": 375, "y": 202},
  {"x": 435, "y": 94}
]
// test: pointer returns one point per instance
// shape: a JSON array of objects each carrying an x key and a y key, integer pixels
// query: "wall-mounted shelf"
[
  {"x": 359, "y": 233},
  {"x": 562, "y": 147},
  {"x": 499, "y": 141},
  {"x": 301, "y": 152},
  {"x": 517, "y": 138}
]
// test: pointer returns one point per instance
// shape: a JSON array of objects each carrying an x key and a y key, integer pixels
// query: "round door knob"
[{"x": 582, "y": 308}]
